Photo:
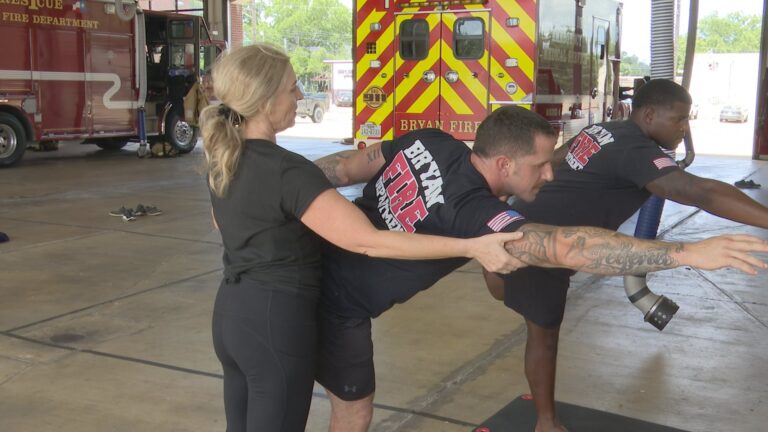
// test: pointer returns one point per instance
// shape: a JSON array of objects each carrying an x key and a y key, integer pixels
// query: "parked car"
[
  {"x": 733, "y": 113},
  {"x": 344, "y": 98},
  {"x": 314, "y": 105}
]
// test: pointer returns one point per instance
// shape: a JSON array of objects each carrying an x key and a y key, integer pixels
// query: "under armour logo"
[{"x": 350, "y": 389}]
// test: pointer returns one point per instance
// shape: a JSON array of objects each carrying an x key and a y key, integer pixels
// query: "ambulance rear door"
[
  {"x": 441, "y": 70},
  {"x": 464, "y": 77}
]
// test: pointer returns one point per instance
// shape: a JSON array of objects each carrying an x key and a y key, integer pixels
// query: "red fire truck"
[
  {"x": 83, "y": 70},
  {"x": 448, "y": 63}
]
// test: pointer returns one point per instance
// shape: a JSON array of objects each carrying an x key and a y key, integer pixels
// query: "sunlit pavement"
[
  {"x": 712, "y": 137},
  {"x": 336, "y": 125}
]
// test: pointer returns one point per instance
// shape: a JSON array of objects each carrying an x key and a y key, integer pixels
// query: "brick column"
[{"x": 236, "y": 24}]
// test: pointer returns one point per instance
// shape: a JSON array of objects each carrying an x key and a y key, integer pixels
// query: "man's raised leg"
[
  {"x": 540, "y": 368},
  {"x": 350, "y": 416}
]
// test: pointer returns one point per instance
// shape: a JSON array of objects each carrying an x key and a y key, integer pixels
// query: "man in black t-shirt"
[
  {"x": 428, "y": 182},
  {"x": 608, "y": 172},
  {"x": 412, "y": 193}
]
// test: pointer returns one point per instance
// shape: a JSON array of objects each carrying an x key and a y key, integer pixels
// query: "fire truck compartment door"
[
  {"x": 600, "y": 70},
  {"x": 112, "y": 53},
  {"x": 441, "y": 78},
  {"x": 62, "y": 101}
]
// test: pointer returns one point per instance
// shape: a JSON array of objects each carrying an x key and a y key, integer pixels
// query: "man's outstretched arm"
[
  {"x": 600, "y": 251},
  {"x": 713, "y": 196},
  {"x": 352, "y": 166}
]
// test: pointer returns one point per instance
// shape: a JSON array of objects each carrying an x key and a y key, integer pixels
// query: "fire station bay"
[{"x": 114, "y": 269}]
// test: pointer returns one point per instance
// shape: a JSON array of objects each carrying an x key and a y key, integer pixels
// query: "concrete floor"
[{"x": 104, "y": 324}]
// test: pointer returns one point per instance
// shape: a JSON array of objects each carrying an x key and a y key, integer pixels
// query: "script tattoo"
[
  {"x": 374, "y": 154},
  {"x": 593, "y": 250}
]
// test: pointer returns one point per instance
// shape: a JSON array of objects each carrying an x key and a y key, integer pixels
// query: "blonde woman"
[{"x": 268, "y": 204}]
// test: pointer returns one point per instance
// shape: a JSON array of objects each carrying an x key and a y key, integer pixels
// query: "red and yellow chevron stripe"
[{"x": 391, "y": 96}]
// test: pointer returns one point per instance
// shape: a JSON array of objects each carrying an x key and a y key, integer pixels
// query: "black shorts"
[
  {"x": 538, "y": 294},
  {"x": 345, "y": 356}
]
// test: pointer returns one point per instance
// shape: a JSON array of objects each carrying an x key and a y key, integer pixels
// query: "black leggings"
[{"x": 265, "y": 341}]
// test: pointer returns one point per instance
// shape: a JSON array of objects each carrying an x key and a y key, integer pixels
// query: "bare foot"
[{"x": 550, "y": 426}]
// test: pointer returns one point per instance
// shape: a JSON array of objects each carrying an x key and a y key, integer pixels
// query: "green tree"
[
  {"x": 733, "y": 33},
  {"x": 632, "y": 66},
  {"x": 310, "y": 31}
]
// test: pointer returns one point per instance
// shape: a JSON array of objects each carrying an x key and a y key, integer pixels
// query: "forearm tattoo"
[
  {"x": 329, "y": 164},
  {"x": 534, "y": 248},
  {"x": 374, "y": 154},
  {"x": 593, "y": 250}
]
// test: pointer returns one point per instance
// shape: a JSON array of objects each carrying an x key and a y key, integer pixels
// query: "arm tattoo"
[
  {"x": 533, "y": 247},
  {"x": 373, "y": 155},
  {"x": 622, "y": 258},
  {"x": 329, "y": 164},
  {"x": 593, "y": 250}
]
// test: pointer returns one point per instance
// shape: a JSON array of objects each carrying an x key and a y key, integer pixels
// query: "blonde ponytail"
[
  {"x": 245, "y": 80},
  {"x": 222, "y": 145}
]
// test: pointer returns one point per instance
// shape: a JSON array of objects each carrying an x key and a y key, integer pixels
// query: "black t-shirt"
[
  {"x": 264, "y": 240},
  {"x": 427, "y": 185},
  {"x": 602, "y": 181}
]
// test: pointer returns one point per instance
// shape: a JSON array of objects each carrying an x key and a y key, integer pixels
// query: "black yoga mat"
[{"x": 520, "y": 415}]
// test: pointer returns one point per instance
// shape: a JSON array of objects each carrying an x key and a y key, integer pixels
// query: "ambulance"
[{"x": 448, "y": 63}]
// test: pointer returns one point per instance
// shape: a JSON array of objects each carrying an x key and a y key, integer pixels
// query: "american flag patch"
[
  {"x": 664, "y": 162},
  {"x": 498, "y": 222}
]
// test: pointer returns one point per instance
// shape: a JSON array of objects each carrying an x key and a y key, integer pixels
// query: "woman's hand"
[{"x": 489, "y": 250}]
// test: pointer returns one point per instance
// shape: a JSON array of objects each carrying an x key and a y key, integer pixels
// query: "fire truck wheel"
[
  {"x": 317, "y": 114},
  {"x": 180, "y": 134},
  {"x": 13, "y": 140}
]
